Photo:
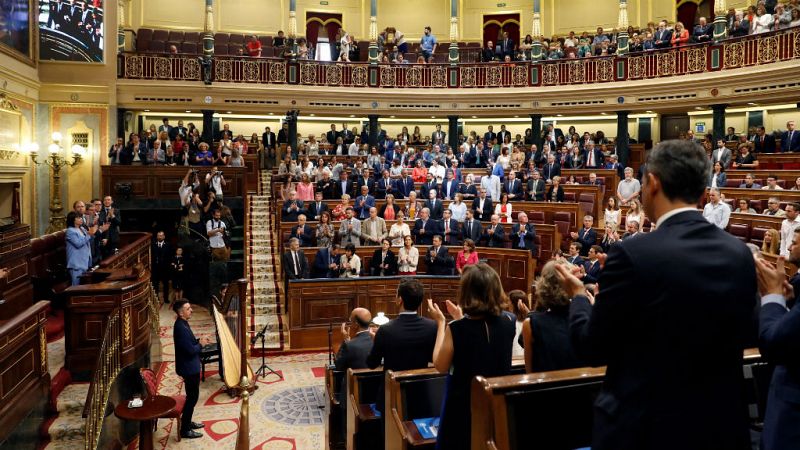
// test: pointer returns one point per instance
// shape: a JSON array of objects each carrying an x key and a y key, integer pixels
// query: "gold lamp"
[{"x": 56, "y": 159}]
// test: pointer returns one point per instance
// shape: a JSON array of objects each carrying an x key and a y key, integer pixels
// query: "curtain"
[
  {"x": 323, "y": 24},
  {"x": 495, "y": 24}
]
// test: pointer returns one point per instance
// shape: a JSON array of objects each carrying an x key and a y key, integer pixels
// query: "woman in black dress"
[
  {"x": 478, "y": 342},
  {"x": 546, "y": 330}
]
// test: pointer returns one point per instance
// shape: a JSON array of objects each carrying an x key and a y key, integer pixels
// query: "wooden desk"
[
  {"x": 363, "y": 426},
  {"x": 88, "y": 309},
  {"x": 153, "y": 407}
]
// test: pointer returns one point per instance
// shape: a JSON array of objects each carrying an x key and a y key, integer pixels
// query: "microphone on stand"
[{"x": 330, "y": 343}]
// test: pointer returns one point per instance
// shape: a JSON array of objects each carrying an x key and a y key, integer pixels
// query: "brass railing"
[
  {"x": 154, "y": 305},
  {"x": 243, "y": 437},
  {"x": 754, "y": 50},
  {"x": 105, "y": 372}
]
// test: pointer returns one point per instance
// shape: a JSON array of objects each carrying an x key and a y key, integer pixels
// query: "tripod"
[{"x": 264, "y": 370}]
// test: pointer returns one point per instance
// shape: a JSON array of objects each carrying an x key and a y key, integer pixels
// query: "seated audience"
[
  {"x": 477, "y": 342},
  {"x": 383, "y": 262},
  {"x": 772, "y": 184},
  {"x": 555, "y": 193},
  {"x": 744, "y": 207},
  {"x": 303, "y": 232},
  {"x": 749, "y": 183},
  {"x": 326, "y": 262},
  {"x": 716, "y": 211},
  {"x": 774, "y": 208},
  {"x": 632, "y": 228},
  {"x": 591, "y": 267},
  {"x": 746, "y": 159}
]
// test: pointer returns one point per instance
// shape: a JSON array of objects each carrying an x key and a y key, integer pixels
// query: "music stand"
[{"x": 264, "y": 370}]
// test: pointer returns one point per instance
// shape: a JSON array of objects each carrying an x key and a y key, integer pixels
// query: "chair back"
[{"x": 149, "y": 380}]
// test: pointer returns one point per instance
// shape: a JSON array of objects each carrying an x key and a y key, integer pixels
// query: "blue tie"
[{"x": 521, "y": 237}]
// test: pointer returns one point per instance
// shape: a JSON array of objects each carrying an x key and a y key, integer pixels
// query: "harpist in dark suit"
[{"x": 670, "y": 335}]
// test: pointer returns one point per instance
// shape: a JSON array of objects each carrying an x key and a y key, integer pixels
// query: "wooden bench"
[
  {"x": 363, "y": 424},
  {"x": 162, "y": 182},
  {"x": 417, "y": 394},
  {"x": 334, "y": 381}
]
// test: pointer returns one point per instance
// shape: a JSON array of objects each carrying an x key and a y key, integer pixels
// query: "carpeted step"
[{"x": 72, "y": 399}]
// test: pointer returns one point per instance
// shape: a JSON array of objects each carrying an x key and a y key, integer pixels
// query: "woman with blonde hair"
[
  {"x": 546, "y": 331},
  {"x": 772, "y": 242},
  {"x": 339, "y": 212},
  {"x": 636, "y": 213}
]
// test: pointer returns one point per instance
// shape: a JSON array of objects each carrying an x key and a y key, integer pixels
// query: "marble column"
[
  {"x": 453, "y": 56},
  {"x": 293, "y": 31},
  {"x": 536, "y": 32},
  {"x": 719, "y": 121},
  {"x": 536, "y": 129},
  {"x": 452, "y": 132},
  {"x": 208, "y": 127},
  {"x": 622, "y": 26},
  {"x": 373, "y": 129},
  {"x": 720, "y": 21},
  {"x": 121, "y": 26},
  {"x": 622, "y": 149},
  {"x": 373, "y": 36}
]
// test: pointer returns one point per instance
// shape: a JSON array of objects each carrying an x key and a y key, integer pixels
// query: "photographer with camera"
[
  {"x": 217, "y": 237},
  {"x": 215, "y": 181}
]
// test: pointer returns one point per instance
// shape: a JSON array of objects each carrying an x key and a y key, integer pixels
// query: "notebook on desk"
[{"x": 428, "y": 427}]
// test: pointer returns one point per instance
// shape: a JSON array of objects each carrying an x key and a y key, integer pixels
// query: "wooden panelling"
[
  {"x": 162, "y": 182},
  {"x": 16, "y": 289}
]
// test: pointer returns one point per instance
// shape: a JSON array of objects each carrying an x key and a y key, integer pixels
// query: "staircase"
[
  {"x": 66, "y": 427},
  {"x": 262, "y": 270}
]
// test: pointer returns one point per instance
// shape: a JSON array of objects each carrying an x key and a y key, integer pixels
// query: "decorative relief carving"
[
  {"x": 414, "y": 77},
  {"x": 127, "y": 332},
  {"x": 733, "y": 54},
  {"x": 493, "y": 76},
  {"x": 697, "y": 60},
  {"x": 308, "y": 73},
  {"x": 577, "y": 72},
  {"x": 277, "y": 72},
  {"x": 133, "y": 66},
  {"x": 767, "y": 49},
  {"x": 605, "y": 69},
  {"x": 43, "y": 349},
  {"x": 387, "y": 76},
  {"x": 550, "y": 74},
  {"x": 333, "y": 74},
  {"x": 191, "y": 69},
  {"x": 666, "y": 64},
  {"x": 223, "y": 70},
  {"x": 467, "y": 76},
  {"x": 251, "y": 71},
  {"x": 359, "y": 76},
  {"x": 519, "y": 76},
  {"x": 163, "y": 68},
  {"x": 636, "y": 67},
  {"x": 439, "y": 77}
]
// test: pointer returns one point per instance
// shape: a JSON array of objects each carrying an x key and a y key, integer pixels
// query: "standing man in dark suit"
[
  {"x": 161, "y": 255},
  {"x": 425, "y": 228},
  {"x": 317, "y": 207},
  {"x": 449, "y": 187},
  {"x": 326, "y": 262},
  {"x": 450, "y": 229},
  {"x": 303, "y": 232},
  {"x": 110, "y": 215},
  {"x": 332, "y": 135},
  {"x": 438, "y": 136},
  {"x": 779, "y": 331},
  {"x": 404, "y": 185},
  {"x": 342, "y": 186},
  {"x": 346, "y": 135},
  {"x": 292, "y": 208},
  {"x": 482, "y": 207},
  {"x": 790, "y": 139},
  {"x": 489, "y": 135},
  {"x": 434, "y": 205},
  {"x": 586, "y": 236},
  {"x": 353, "y": 352},
  {"x": 513, "y": 187},
  {"x": 269, "y": 142},
  {"x": 506, "y": 46},
  {"x": 283, "y": 134},
  {"x": 406, "y": 342},
  {"x": 672, "y": 338},
  {"x": 187, "y": 366},
  {"x": 663, "y": 36},
  {"x": 294, "y": 262},
  {"x": 503, "y": 133},
  {"x": 430, "y": 183},
  {"x": 438, "y": 259},
  {"x": 536, "y": 187},
  {"x": 472, "y": 227},
  {"x": 523, "y": 234},
  {"x": 494, "y": 234},
  {"x": 763, "y": 143},
  {"x": 593, "y": 158},
  {"x": 551, "y": 168}
]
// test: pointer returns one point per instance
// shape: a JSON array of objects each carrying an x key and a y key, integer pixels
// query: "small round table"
[{"x": 154, "y": 407}]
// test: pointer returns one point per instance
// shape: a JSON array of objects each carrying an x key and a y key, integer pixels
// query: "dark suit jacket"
[
  {"x": 454, "y": 188},
  {"x": 793, "y": 146},
  {"x": 592, "y": 271},
  {"x": 779, "y": 331},
  {"x": 425, "y": 236},
  {"x": 598, "y": 159},
  {"x": 487, "y": 55},
  {"x": 488, "y": 136},
  {"x": 454, "y": 238},
  {"x": 331, "y": 137},
  {"x": 283, "y": 136},
  {"x": 187, "y": 349},
  {"x": 496, "y": 239},
  {"x": 291, "y": 216},
  {"x": 506, "y": 46},
  {"x": 268, "y": 139},
  {"x": 288, "y": 265},
  {"x": 403, "y": 188},
  {"x": 658, "y": 326},
  {"x": 404, "y": 343},
  {"x": 559, "y": 194},
  {"x": 322, "y": 261},
  {"x": 665, "y": 36},
  {"x": 161, "y": 258},
  {"x": 375, "y": 262},
  {"x": 426, "y": 188},
  {"x": 549, "y": 172},
  {"x": 529, "y": 237},
  {"x": 587, "y": 238},
  {"x": 337, "y": 189},
  {"x": 437, "y": 210},
  {"x": 384, "y": 186},
  {"x": 474, "y": 232},
  {"x": 353, "y": 354},
  {"x": 537, "y": 193},
  {"x": 305, "y": 236},
  {"x": 487, "y": 212},
  {"x": 441, "y": 264},
  {"x": 768, "y": 146},
  {"x": 112, "y": 234},
  {"x": 327, "y": 188},
  {"x": 314, "y": 212}
]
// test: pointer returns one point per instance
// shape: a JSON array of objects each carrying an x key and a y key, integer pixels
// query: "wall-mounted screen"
[
  {"x": 15, "y": 27},
  {"x": 71, "y": 30}
]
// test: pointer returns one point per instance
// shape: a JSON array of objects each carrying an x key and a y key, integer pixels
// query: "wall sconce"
[{"x": 56, "y": 159}]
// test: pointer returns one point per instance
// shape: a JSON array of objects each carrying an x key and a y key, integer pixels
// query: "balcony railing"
[{"x": 735, "y": 53}]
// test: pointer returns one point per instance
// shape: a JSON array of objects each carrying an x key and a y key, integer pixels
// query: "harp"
[{"x": 230, "y": 319}]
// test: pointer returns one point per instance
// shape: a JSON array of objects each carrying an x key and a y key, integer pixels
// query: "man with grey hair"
[
  {"x": 373, "y": 228},
  {"x": 629, "y": 188},
  {"x": 295, "y": 264},
  {"x": 716, "y": 211}
]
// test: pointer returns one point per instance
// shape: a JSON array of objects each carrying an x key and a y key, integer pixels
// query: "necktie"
[
  {"x": 521, "y": 236},
  {"x": 591, "y": 158},
  {"x": 296, "y": 266},
  {"x": 447, "y": 227},
  {"x": 469, "y": 228}
]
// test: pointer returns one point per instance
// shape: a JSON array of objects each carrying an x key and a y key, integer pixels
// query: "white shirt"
[
  {"x": 717, "y": 214},
  {"x": 459, "y": 212},
  {"x": 216, "y": 241},
  {"x": 353, "y": 150},
  {"x": 787, "y": 232},
  {"x": 669, "y": 214}
]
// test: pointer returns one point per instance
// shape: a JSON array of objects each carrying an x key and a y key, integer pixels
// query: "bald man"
[{"x": 354, "y": 350}]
